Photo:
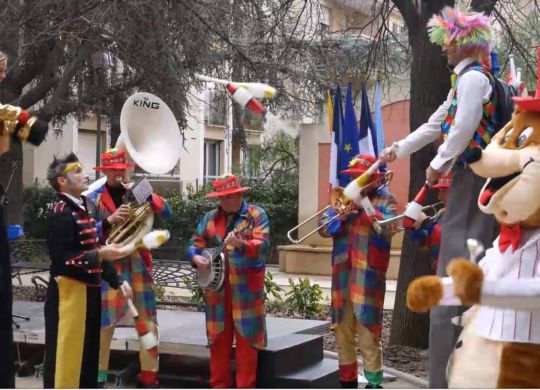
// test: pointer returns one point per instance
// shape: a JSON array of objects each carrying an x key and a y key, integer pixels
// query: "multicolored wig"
[{"x": 464, "y": 29}]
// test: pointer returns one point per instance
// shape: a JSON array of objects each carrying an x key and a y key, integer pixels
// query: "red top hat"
[
  {"x": 444, "y": 181},
  {"x": 114, "y": 159},
  {"x": 529, "y": 103},
  {"x": 360, "y": 164},
  {"x": 226, "y": 185}
]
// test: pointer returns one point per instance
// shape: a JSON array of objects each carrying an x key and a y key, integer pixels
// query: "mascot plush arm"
[{"x": 466, "y": 285}]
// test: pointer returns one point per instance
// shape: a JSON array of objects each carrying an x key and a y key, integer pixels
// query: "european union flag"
[{"x": 348, "y": 147}]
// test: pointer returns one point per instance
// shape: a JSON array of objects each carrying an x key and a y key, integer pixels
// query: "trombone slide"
[
  {"x": 342, "y": 200},
  {"x": 346, "y": 208},
  {"x": 297, "y": 227}
]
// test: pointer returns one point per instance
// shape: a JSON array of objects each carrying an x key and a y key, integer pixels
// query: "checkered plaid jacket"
[
  {"x": 360, "y": 259},
  {"x": 428, "y": 236},
  {"x": 245, "y": 269},
  {"x": 135, "y": 269}
]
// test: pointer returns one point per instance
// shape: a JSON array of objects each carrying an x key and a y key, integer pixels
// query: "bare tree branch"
[
  {"x": 61, "y": 90},
  {"x": 486, "y": 6}
]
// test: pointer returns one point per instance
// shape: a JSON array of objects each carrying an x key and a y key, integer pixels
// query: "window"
[
  {"x": 212, "y": 159},
  {"x": 252, "y": 167},
  {"x": 87, "y": 150},
  {"x": 253, "y": 120},
  {"x": 324, "y": 21},
  {"x": 216, "y": 109}
]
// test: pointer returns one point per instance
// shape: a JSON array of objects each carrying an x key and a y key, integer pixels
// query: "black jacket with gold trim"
[{"x": 73, "y": 243}]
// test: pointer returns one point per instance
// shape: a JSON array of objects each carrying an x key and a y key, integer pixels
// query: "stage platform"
[
  {"x": 181, "y": 332},
  {"x": 292, "y": 358}
]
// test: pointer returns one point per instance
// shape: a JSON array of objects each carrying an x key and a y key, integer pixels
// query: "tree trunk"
[{"x": 430, "y": 82}]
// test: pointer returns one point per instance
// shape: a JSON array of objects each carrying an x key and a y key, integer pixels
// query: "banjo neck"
[
  {"x": 223, "y": 244},
  {"x": 236, "y": 230}
]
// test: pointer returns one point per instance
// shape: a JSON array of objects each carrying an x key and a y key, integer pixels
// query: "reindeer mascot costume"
[{"x": 500, "y": 342}]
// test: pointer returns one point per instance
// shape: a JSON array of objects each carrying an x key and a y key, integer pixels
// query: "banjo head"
[{"x": 212, "y": 278}]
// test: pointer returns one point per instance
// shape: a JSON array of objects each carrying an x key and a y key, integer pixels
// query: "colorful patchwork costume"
[
  {"x": 237, "y": 310},
  {"x": 135, "y": 269},
  {"x": 360, "y": 258},
  {"x": 428, "y": 234}
]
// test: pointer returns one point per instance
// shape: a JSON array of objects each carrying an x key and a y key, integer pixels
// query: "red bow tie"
[{"x": 510, "y": 235}]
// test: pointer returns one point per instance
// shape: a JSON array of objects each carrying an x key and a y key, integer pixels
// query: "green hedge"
[
  {"x": 37, "y": 202},
  {"x": 278, "y": 196}
]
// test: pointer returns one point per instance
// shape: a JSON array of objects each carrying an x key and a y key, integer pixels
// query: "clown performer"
[
  {"x": 236, "y": 311},
  {"x": 135, "y": 268},
  {"x": 360, "y": 259},
  {"x": 78, "y": 266},
  {"x": 466, "y": 120},
  {"x": 426, "y": 231}
]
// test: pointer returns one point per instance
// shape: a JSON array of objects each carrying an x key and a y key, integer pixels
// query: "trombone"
[
  {"x": 379, "y": 225},
  {"x": 341, "y": 206},
  {"x": 336, "y": 202}
]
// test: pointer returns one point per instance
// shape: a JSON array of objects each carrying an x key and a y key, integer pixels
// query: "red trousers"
[{"x": 221, "y": 353}]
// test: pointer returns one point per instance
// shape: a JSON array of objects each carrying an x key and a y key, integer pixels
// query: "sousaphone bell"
[{"x": 150, "y": 135}]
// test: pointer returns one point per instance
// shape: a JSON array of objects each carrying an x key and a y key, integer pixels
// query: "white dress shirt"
[
  {"x": 474, "y": 91},
  {"x": 77, "y": 201},
  {"x": 512, "y": 288}
]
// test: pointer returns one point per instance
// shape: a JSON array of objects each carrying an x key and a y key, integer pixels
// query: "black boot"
[
  {"x": 141, "y": 385},
  {"x": 349, "y": 385}
]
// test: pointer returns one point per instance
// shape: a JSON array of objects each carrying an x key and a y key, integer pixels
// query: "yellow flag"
[{"x": 330, "y": 108}]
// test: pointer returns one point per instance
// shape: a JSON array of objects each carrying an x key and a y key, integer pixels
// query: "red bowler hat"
[
  {"x": 360, "y": 164},
  {"x": 114, "y": 159},
  {"x": 226, "y": 185},
  {"x": 529, "y": 103},
  {"x": 444, "y": 181}
]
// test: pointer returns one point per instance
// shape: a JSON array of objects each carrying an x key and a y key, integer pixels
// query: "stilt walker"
[
  {"x": 466, "y": 121},
  {"x": 18, "y": 125}
]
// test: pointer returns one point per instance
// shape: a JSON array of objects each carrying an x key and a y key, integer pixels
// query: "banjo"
[{"x": 212, "y": 278}]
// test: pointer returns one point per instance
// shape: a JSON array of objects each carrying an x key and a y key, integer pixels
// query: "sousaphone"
[{"x": 150, "y": 135}]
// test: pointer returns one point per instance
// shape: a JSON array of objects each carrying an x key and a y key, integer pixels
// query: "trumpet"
[
  {"x": 342, "y": 205},
  {"x": 392, "y": 222}
]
